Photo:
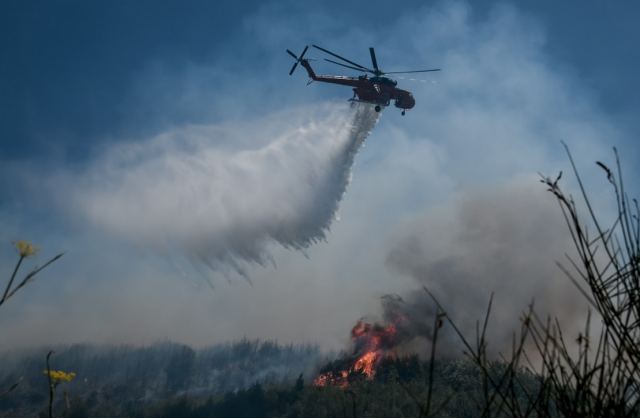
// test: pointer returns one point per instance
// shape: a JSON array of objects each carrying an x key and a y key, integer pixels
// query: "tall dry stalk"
[
  {"x": 25, "y": 250},
  {"x": 602, "y": 377}
]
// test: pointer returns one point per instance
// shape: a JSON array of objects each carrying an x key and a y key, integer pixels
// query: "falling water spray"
[{"x": 183, "y": 192}]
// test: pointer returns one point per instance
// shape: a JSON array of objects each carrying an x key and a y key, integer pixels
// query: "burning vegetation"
[
  {"x": 372, "y": 343},
  {"x": 377, "y": 343}
]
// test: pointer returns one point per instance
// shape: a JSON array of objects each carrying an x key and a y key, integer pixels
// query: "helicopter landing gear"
[
  {"x": 403, "y": 112},
  {"x": 377, "y": 108}
]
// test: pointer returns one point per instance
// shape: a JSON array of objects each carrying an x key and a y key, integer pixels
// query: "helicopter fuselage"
[{"x": 375, "y": 90}]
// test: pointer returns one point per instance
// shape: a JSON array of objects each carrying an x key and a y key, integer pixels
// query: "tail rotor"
[{"x": 298, "y": 59}]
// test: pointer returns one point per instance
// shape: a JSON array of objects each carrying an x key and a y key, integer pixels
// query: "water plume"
[{"x": 221, "y": 195}]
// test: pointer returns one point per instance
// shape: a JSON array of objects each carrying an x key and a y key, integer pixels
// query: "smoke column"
[
  {"x": 504, "y": 239},
  {"x": 192, "y": 191}
]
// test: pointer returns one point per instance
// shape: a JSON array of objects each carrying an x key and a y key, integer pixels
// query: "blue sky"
[
  {"x": 71, "y": 70},
  {"x": 83, "y": 81}
]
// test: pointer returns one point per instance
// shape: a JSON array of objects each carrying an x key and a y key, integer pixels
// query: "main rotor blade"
[
  {"x": 348, "y": 66},
  {"x": 417, "y": 71},
  {"x": 343, "y": 59},
  {"x": 292, "y": 54},
  {"x": 303, "y": 51},
  {"x": 373, "y": 60},
  {"x": 295, "y": 64}
]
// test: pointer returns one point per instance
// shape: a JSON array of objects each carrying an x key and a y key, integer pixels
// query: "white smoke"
[{"x": 216, "y": 197}]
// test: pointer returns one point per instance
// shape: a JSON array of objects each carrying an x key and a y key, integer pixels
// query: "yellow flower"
[
  {"x": 58, "y": 376},
  {"x": 25, "y": 248}
]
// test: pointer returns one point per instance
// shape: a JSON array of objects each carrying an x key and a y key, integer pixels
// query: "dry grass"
[{"x": 601, "y": 378}]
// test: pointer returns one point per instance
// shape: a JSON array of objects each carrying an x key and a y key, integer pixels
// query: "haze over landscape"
[{"x": 201, "y": 195}]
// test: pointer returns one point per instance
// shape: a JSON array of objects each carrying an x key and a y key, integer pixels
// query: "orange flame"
[{"x": 372, "y": 343}]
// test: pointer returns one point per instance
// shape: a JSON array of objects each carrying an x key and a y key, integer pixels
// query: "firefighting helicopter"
[{"x": 377, "y": 89}]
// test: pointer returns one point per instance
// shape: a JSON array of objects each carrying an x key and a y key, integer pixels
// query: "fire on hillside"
[{"x": 372, "y": 344}]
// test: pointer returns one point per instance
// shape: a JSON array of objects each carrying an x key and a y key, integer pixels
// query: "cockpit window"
[{"x": 384, "y": 80}]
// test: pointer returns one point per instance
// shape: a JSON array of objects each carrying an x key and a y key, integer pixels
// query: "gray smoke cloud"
[
  {"x": 504, "y": 240},
  {"x": 222, "y": 205}
]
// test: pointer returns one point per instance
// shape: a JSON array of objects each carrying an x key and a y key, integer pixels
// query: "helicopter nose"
[
  {"x": 410, "y": 101},
  {"x": 405, "y": 101}
]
